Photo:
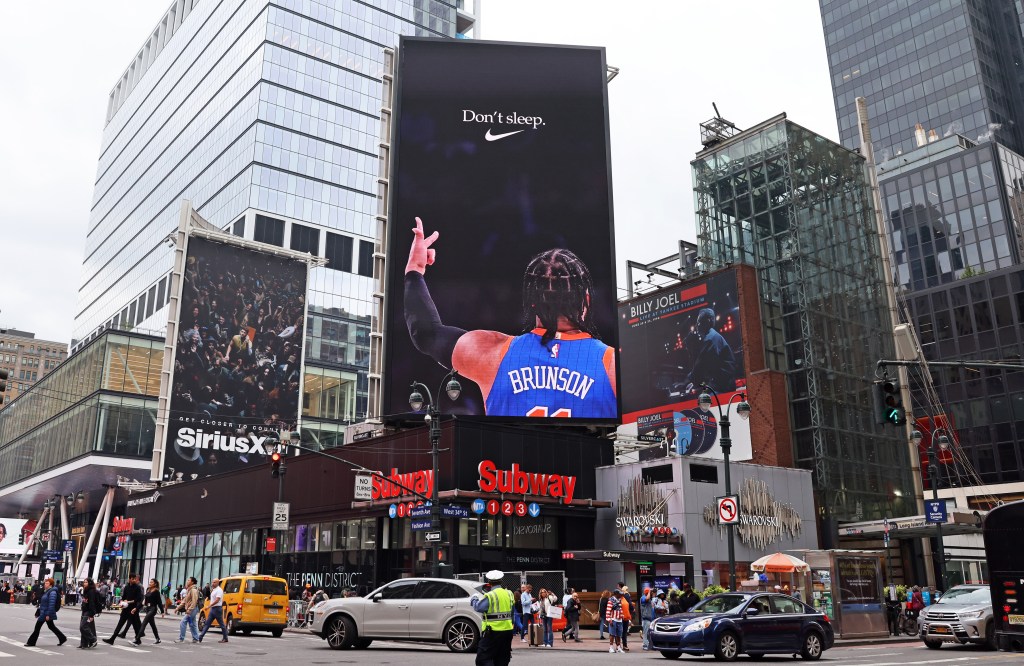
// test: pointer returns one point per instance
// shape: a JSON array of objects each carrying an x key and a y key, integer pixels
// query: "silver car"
[
  {"x": 410, "y": 609},
  {"x": 962, "y": 615}
]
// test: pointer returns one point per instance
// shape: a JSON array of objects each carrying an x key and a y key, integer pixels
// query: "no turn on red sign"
[{"x": 728, "y": 510}]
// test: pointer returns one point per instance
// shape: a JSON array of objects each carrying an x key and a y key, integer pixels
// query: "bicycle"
[{"x": 908, "y": 623}]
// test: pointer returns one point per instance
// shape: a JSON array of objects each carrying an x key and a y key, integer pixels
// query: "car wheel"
[
  {"x": 461, "y": 635},
  {"x": 363, "y": 643},
  {"x": 232, "y": 625},
  {"x": 340, "y": 633},
  {"x": 727, "y": 646},
  {"x": 671, "y": 655},
  {"x": 811, "y": 649},
  {"x": 934, "y": 645},
  {"x": 756, "y": 656},
  {"x": 276, "y": 633},
  {"x": 990, "y": 636}
]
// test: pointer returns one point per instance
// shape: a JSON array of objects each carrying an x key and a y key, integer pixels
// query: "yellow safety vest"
[{"x": 499, "y": 611}]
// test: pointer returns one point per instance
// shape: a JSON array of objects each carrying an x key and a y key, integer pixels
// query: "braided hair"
[{"x": 557, "y": 283}]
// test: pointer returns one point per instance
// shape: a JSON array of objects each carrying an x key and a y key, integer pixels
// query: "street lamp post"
[
  {"x": 942, "y": 441},
  {"x": 705, "y": 401},
  {"x": 433, "y": 419}
]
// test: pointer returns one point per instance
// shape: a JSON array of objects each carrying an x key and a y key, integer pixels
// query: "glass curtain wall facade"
[
  {"x": 796, "y": 206},
  {"x": 101, "y": 401},
  {"x": 266, "y": 115},
  {"x": 954, "y": 66}
]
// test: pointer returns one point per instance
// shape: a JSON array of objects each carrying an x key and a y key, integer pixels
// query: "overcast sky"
[{"x": 60, "y": 59}]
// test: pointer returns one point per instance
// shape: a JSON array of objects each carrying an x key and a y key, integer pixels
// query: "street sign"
[
  {"x": 454, "y": 511},
  {"x": 45, "y": 537},
  {"x": 69, "y": 545},
  {"x": 728, "y": 510},
  {"x": 280, "y": 516},
  {"x": 53, "y": 555},
  {"x": 421, "y": 524},
  {"x": 507, "y": 508},
  {"x": 935, "y": 511},
  {"x": 432, "y": 537},
  {"x": 420, "y": 511},
  {"x": 521, "y": 509},
  {"x": 533, "y": 509},
  {"x": 363, "y": 487},
  {"x": 493, "y": 507},
  {"x": 478, "y": 506},
  {"x": 271, "y": 544}
]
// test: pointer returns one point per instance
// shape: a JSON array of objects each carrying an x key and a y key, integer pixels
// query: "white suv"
[{"x": 409, "y": 609}]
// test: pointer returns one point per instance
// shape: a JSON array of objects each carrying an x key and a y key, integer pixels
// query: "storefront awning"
[{"x": 626, "y": 556}]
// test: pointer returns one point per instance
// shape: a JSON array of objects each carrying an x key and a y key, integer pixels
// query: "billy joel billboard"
[
  {"x": 673, "y": 343},
  {"x": 238, "y": 360},
  {"x": 500, "y": 254}
]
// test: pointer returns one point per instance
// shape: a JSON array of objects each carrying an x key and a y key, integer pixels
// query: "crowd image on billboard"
[
  {"x": 502, "y": 267},
  {"x": 238, "y": 365},
  {"x": 675, "y": 344}
]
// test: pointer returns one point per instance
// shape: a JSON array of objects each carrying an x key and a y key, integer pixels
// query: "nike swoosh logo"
[{"x": 495, "y": 137}]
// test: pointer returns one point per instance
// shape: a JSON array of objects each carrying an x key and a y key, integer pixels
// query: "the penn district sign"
[{"x": 762, "y": 519}]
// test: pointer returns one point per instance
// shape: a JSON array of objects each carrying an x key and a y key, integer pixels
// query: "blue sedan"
[{"x": 756, "y": 624}]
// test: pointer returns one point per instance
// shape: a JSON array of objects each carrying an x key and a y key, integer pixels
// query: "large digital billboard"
[
  {"x": 500, "y": 252},
  {"x": 673, "y": 342},
  {"x": 10, "y": 529},
  {"x": 238, "y": 358}
]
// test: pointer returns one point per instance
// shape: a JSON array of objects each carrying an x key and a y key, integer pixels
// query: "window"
[
  {"x": 239, "y": 227},
  {"x": 141, "y": 312},
  {"x": 433, "y": 589},
  {"x": 151, "y": 301},
  {"x": 269, "y": 230},
  {"x": 786, "y": 605},
  {"x": 703, "y": 473},
  {"x": 232, "y": 585},
  {"x": 305, "y": 239},
  {"x": 260, "y": 586},
  {"x": 338, "y": 250},
  {"x": 402, "y": 589},
  {"x": 365, "y": 258},
  {"x": 160, "y": 289},
  {"x": 762, "y": 605},
  {"x": 658, "y": 474}
]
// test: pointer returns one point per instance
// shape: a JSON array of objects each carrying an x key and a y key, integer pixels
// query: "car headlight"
[
  {"x": 972, "y": 615},
  {"x": 698, "y": 625}
]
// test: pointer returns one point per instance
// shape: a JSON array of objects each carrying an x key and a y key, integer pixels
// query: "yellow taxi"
[{"x": 251, "y": 602}]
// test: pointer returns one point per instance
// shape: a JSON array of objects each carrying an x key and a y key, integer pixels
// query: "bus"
[{"x": 1004, "y": 548}]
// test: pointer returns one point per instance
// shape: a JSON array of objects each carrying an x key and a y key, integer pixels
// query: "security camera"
[{"x": 427, "y": 418}]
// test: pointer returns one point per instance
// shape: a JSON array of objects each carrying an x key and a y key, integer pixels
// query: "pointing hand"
[{"x": 421, "y": 254}]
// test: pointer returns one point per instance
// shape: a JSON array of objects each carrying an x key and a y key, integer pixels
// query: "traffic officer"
[{"x": 496, "y": 606}]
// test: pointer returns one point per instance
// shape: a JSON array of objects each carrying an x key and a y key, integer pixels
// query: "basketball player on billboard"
[{"x": 557, "y": 368}]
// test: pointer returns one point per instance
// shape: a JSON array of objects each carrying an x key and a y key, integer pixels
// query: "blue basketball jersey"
[{"x": 565, "y": 378}]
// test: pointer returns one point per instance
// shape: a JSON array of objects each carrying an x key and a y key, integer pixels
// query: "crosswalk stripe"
[
  {"x": 4, "y": 654},
  {"x": 127, "y": 649},
  {"x": 37, "y": 650}
]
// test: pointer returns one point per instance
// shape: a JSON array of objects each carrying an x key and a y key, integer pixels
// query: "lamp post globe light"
[
  {"x": 433, "y": 420},
  {"x": 940, "y": 441},
  {"x": 705, "y": 401}
]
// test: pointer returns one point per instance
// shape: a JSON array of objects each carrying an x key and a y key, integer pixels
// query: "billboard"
[
  {"x": 672, "y": 342},
  {"x": 9, "y": 529},
  {"x": 500, "y": 254},
  {"x": 238, "y": 358}
]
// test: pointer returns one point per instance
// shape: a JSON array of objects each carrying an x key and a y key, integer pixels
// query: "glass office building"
[
  {"x": 955, "y": 66},
  {"x": 797, "y": 207},
  {"x": 267, "y": 117}
]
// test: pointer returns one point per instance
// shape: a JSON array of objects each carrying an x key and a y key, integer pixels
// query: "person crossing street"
[
  {"x": 498, "y": 629},
  {"x": 216, "y": 612},
  {"x": 131, "y": 603},
  {"x": 190, "y": 606},
  {"x": 46, "y": 614}
]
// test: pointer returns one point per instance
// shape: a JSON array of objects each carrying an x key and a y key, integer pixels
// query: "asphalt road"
[{"x": 16, "y": 623}]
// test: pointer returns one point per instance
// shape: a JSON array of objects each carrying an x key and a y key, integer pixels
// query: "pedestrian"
[
  {"x": 572, "y": 618},
  {"x": 660, "y": 605},
  {"x": 189, "y": 606},
  {"x": 495, "y": 648},
  {"x": 216, "y": 612},
  {"x": 92, "y": 605},
  {"x": 154, "y": 602},
  {"x": 675, "y": 597},
  {"x": 892, "y": 609},
  {"x": 646, "y": 613},
  {"x": 526, "y": 599},
  {"x": 131, "y": 603},
  {"x": 517, "y": 612},
  {"x": 627, "y": 619},
  {"x": 104, "y": 590},
  {"x": 547, "y": 602},
  {"x": 916, "y": 603},
  {"x": 613, "y": 618},
  {"x": 49, "y": 604},
  {"x": 602, "y": 610},
  {"x": 688, "y": 599},
  {"x": 567, "y": 596}
]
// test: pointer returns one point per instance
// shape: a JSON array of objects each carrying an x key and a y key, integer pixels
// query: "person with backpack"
[
  {"x": 602, "y": 609},
  {"x": 627, "y": 617},
  {"x": 49, "y": 604},
  {"x": 92, "y": 605},
  {"x": 613, "y": 617}
]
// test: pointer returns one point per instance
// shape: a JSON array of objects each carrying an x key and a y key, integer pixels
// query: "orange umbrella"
[{"x": 779, "y": 563}]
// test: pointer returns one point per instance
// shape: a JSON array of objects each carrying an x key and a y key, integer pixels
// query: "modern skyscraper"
[
  {"x": 266, "y": 115},
  {"x": 955, "y": 66},
  {"x": 797, "y": 207}
]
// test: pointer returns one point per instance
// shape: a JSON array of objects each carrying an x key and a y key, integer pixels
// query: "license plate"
[
  {"x": 1015, "y": 619},
  {"x": 940, "y": 630},
  {"x": 272, "y": 611}
]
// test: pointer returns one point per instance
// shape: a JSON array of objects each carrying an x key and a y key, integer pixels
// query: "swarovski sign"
[{"x": 762, "y": 520}]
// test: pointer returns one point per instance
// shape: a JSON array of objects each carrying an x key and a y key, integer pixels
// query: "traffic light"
[
  {"x": 4, "y": 374},
  {"x": 275, "y": 464},
  {"x": 21, "y": 537},
  {"x": 888, "y": 403}
]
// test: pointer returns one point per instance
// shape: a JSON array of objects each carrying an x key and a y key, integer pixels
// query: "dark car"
[{"x": 757, "y": 624}]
